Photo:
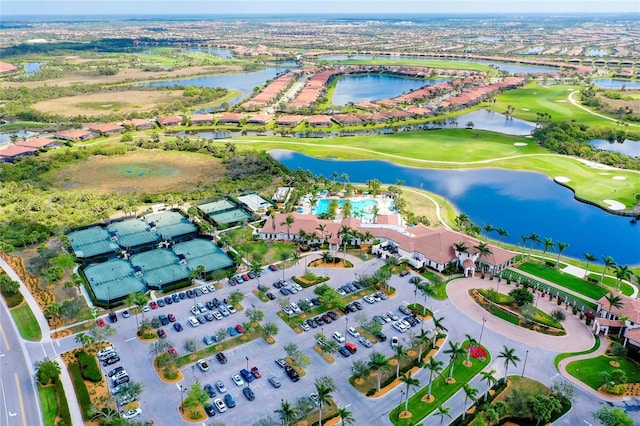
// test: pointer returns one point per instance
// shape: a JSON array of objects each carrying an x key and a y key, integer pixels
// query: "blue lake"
[
  {"x": 243, "y": 82},
  {"x": 616, "y": 83},
  {"x": 519, "y": 202},
  {"x": 510, "y": 68},
  {"x": 358, "y": 88},
  {"x": 223, "y": 53},
  {"x": 6, "y": 137},
  {"x": 628, "y": 147},
  {"x": 32, "y": 68},
  {"x": 495, "y": 122}
]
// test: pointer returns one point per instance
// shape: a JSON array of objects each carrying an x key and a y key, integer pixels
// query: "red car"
[
  {"x": 100, "y": 322},
  {"x": 239, "y": 328},
  {"x": 172, "y": 318},
  {"x": 404, "y": 273},
  {"x": 256, "y": 372},
  {"x": 172, "y": 351},
  {"x": 153, "y": 304},
  {"x": 245, "y": 277},
  {"x": 161, "y": 333},
  {"x": 273, "y": 267}
]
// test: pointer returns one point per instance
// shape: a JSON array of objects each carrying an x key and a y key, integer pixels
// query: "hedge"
[
  {"x": 89, "y": 367},
  {"x": 13, "y": 299},
  {"x": 63, "y": 406},
  {"x": 81, "y": 391}
]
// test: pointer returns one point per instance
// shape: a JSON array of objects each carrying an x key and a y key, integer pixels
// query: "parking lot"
[{"x": 136, "y": 355}]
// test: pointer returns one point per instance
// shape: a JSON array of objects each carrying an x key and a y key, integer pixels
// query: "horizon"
[{"x": 318, "y": 7}]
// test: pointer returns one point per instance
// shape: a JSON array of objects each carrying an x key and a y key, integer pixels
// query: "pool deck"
[{"x": 384, "y": 205}]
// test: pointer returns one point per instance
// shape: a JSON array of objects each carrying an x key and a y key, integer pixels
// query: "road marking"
[
  {"x": 12, "y": 414},
  {"x": 24, "y": 417},
  {"x": 58, "y": 342},
  {"x": 4, "y": 337},
  {"x": 587, "y": 423},
  {"x": 133, "y": 338}
]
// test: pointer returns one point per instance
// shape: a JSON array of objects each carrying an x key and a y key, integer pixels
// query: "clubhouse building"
[
  {"x": 420, "y": 246},
  {"x": 624, "y": 321}
]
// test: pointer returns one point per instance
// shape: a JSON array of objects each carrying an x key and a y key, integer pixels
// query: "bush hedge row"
[
  {"x": 89, "y": 367},
  {"x": 81, "y": 391},
  {"x": 63, "y": 406}
]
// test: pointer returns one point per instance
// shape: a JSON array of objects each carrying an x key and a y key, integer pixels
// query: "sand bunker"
[
  {"x": 562, "y": 179},
  {"x": 520, "y": 144},
  {"x": 614, "y": 205},
  {"x": 525, "y": 109},
  {"x": 619, "y": 178},
  {"x": 561, "y": 100},
  {"x": 604, "y": 174}
]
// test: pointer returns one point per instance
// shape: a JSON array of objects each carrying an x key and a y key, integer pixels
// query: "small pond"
[
  {"x": 628, "y": 147},
  {"x": 616, "y": 83},
  {"x": 359, "y": 88},
  {"x": 32, "y": 68},
  {"x": 495, "y": 122}
]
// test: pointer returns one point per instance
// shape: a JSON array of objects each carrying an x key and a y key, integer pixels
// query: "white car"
[
  {"x": 194, "y": 310},
  {"x": 394, "y": 341},
  {"x": 354, "y": 332},
  {"x": 220, "y": 405},
  {"x": 146, "y": 308},
  {"x": 211, "y": 287},
  {"x": 296, "y": 308},
  {"x": 194, "y": 321},
  {"x": 287, "y": 310},
  {"x": 341, "y": 292},
  {"x": 237, "y": 380},
  {"x": 339, "y": 337},
  {"x": 231, "y": 309},
  {"x": 393, "y": 316},
  {"x": 216, "y": 314},
  {"x": 204, "y": 289},
  {"x": 106, "y": 352},
  {"x": 204, "y": 366},
  {"x": 120, "y": 374},
  {"x": 369, "y": 299},
  {"x": 132, "y": 413},
  {"x": 221, "y": 387},
  {"x": 305, "y": 326},
  {"x": 297, "y": 286}
]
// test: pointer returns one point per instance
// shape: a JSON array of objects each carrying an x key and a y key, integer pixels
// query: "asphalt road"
[
  {"x": 18, "y": 394},
  {"x": 160, "y": 400}
]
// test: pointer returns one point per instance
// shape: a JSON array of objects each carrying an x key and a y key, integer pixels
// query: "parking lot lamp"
[
  {"x": 182, "y": 398},
  {"x": 484, "y": 320},
  {"x": 525, "y": 362},
  {"x": 247, "y": 358},
  {"x": 346, "y": 326}
]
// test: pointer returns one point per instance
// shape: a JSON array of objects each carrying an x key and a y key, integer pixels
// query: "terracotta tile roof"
[
  {"x": 630, "y": 307},
  {"x": 169, "y": 120},
  {"x": 633, "y": 334},
  {"x": 16, "y": 150},
  {"x": 72, "y": 134},
  {"x": 37, "y": 142},
  {"x": 106, "y": 128}
]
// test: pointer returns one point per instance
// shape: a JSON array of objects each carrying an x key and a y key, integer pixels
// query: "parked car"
[
  {"x": 164, "y": 320},
  {"x": 160, "y": 303},
  {"x": 100, "y": 322},
  {"x": 111, "y": 360},
  {"x": 208, "y": 340},
  {"x": 106, "y": 352},
  {"x": 201, "y": 319},
  {"x": 394, "y": 341},
  {"x": 344, "y": 352},
  {"x": 232, "y": 331},
  {"x": 216, "y": 314},
  {"x": 351, "y": 347},
  {"x": 132, "y": 413},
  {"x": 237, "y": 380},
  {"x": 168, "y": 300},
  {"x": 210, "y": 410},
  {"x": 339, "y": 337},
  {"x": 341, "y": 292},
  {"x": 161, "y": 333},
  {"x": 352, "y": 331},
  {"x": 239, "y": 328},
  {"x": 246, "y": 375},
  {"x": 381, "y": 337},
  {"x": 172, "y": 318},
  {"x": 293, "y": 374},
  {"x": 379, "y": 320},
  {"x": 404, "y": 273},
  {"x": 197, "y": 292},
  {"x": 273, "y": 267},
  {"x": 365, "y": 342},
  {"x": 222, "y": 358},
  {"x": 220, "y": 386},
  {"x": 271, "y": 296},
  {"x": 153, "y": 304},
  {"x": 281, "y": 362},
  {"x": 115, "y": 371},
  {"x": 358, "y": 305},
  {"x": 219, "y": 405},
  {"x": 209, "y": 390},
  {"x": 255, "y": 372},
  {"x": 228, "y": 399},
  {"x": 190, "y": 294},
  {"x": 275, "y": 382},
  {"x": 404, "y": 310},
  {"x": 113, "y": 317},
  {"x": 172, "y": 351},
  {"x": 121, "y": 380},
  {"x": 193, "y": 321},
  {"x": 204, "y": 366},
  {"x": 175, "y": 297},
  {"x": 231, "y": 309},
  {"x": 248, "y": 393}
]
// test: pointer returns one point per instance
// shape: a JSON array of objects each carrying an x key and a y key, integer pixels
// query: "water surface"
[
  {"x": 628, "y": 147},
  {"x": 359, "y": 88}
]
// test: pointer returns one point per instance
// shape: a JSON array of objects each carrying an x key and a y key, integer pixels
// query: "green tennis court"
[
  {"x": 133, "y": 233},
  {"x": 159, "y": 267},
  {"x": 113, "y": 280},
  {"x": 216, "y": 206},
  {"x": 230, "y": 217},
  {"x": 203, "y": 252},
  {"x": 91, "y": 242},
  {"x": 170, "y": 224}
]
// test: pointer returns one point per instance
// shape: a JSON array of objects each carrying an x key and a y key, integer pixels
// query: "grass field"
[
  {"x": 588, "y": 370},
  {"x": 553, "y": 100},
  {"x": 121, "y": 102},
  {"x": 27, "y": 323},
  {"x": 594, "y": 291},
  {"x": 441, "y": 390},
  {"x": 49, "y": 403},
  {"x": 625, "y": 288},
  {"x": 268, "y": 251},
  {"x": 462, "y": 148},
  {"x": 416, "y": 63},
  {"x": 143, "y": 171}
]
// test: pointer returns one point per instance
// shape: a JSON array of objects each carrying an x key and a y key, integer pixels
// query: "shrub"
[
  {"x": 558, "y": 315},
  {"x": 521, "y": 296},
  {"x": 81, "y": 391},
  {"x": 63, "y": 405},
  {"x": 89, "y": 367}
]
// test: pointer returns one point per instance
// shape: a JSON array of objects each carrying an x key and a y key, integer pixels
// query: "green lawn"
[
  {"x": 49, "y": 404},
  {"x": 594, "y": 291},
  {"x": 625, "y": 288},
  {"x": 27, "y": 323},
  {"x": 441, "y": 390},
  {"x": 533, "y": 98},
  {"x": 268, "y": 251},
  {"x": 588, "y": 370},
  {"x": 505, "y": 316}
]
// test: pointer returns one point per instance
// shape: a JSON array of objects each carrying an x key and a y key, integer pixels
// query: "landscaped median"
[
  {"x": 27, "y": 324},
  {"x": 442, "y": 389}
]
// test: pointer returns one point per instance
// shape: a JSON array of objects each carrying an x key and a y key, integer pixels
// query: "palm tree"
[
  {"x": 421, "y": 339},
  {"x": 615, "y": 301},
  {"x": 411, "y": 383},
  {"x": 288, "y": 221},
  {"x": 287, "y": 412},
  {"x": 437, "y": 324},
  {"x": 469, "y": 393},
  {"x": 461, "y": 247},
  {"x": 326, "y": 256},
  {"x": 502, "y": 233},
  {"x": 483, "y": 250},
  {"x": 378, "y": 363},
  {"x": 622, "y": 273},
  {"x": 324, "y": 389},
  {"x": 510, "y": 357},
  {"x": 401, "y": 354},
  {"x": 345, "y": 416},
  {"x": 472, "y": 344},
  {"x": 488, "y": 228},
  {"x": 455, "y": 351},
  {"x": 345, "y": 232},
  {"x": 561, "y": 246},
  {"x": 443, "y": 412},
  {"x": 608, "y": 263},
  {"x": 535, "y": 239},
  {"x": 489, "y": 377},
  {"x": 589, "y": 258},
  {"x": 434, "y": 366},
  {"x": 524, "y": 239},
  {"x": 322, "y": 227},
  {"x": 548, "y": 245}
]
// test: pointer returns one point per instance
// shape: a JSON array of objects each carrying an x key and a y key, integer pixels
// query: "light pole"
[
  {"x": 525, "y": 362},
  {"x": 484, "y": 320},
  {"x": 247, "y": 358},
  {"x": 182, "y": 398},
  {"x": 346, "y": 326},
  {"x": 401, "y": 397}
]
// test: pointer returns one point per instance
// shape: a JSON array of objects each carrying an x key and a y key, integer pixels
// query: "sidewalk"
[
  {"x": 42, "y": 321},
  {"x": 562, "y": 367}
]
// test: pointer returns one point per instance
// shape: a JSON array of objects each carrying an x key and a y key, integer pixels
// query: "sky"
[{"x": 237, "y": 7}]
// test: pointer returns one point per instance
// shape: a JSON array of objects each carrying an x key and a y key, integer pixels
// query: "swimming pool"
[{"x": 360, "y": 206}]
